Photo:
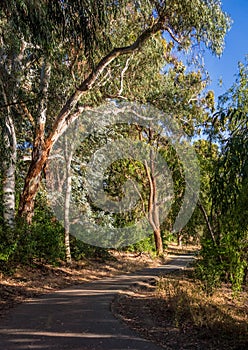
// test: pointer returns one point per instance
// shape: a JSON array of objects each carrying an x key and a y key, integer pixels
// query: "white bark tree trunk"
[
  {"x": 68, "y": 153},
  {"x": 9, "y": 169},
  {"x": 8, "y": 163}
]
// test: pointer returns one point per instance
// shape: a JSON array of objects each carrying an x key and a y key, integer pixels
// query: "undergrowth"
[{"x": 223, "y": 313}]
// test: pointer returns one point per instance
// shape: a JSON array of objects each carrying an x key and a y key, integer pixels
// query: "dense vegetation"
[{"x": 60, "y": 59}]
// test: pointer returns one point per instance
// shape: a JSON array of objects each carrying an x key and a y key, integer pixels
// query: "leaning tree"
[{"x": 70, "y": 48}]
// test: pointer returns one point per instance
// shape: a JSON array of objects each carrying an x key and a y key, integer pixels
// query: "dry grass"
[
  {"x": 175, "y": 312},
  {"x": 191, "y": 306}
]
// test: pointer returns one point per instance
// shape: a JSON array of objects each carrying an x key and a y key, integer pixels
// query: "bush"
[
  {"x": 43, "y": 241},
  {"x": 146, "y": 245},
  {"x": 226, "y": 262},
  {"x": 81, "y": 250}
]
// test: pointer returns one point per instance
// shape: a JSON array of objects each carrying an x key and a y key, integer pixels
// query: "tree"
[
  {"x": 225, "y": 257},
  {"x": 8, "y": 164},
  {"x": 150, "y": 179},
  {"x": 92, "y": 28}
]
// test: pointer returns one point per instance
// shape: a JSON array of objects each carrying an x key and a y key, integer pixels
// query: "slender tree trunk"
[
  {"x": 209, "y": 226},
  {"x": 158, "y": 241},
  {"x": 205, "y": 215},
  {"x": 8, "y": 163},
  {"x": 155, "y": 215},
  {"x": 179, "y": 240},
  {"x": 68, "y": 152},
  {"x": 9, "y": 169},
  {"x": 153, "y": 209},
  {"x": 155, "y": 221}
]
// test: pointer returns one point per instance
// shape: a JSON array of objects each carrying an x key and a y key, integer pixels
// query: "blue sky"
[{"x": 236, "y": 47}]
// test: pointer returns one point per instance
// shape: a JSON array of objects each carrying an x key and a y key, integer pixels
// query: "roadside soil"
[
  {"x": 175, "y": 313},
  {"x": 30, "y": 281}
]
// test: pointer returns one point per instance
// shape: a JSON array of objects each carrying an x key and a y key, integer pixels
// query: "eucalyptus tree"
[
  {"x": 11, "y": 57},
  {"x": 145, "y": 176},
  {"x": 84, "y": 40}
]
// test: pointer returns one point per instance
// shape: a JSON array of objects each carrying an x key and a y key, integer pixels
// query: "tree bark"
[
  {"x": 9, "y": 164},
  {"x": 155, "y": 214},
  {"x": 179, "y": 240},
  {"x": 41, "y": 150},
  {"x": 68, "y": 153},
  {"x": 210, "y": 230},
  {"x": 158, "y": 241},
  {"x": 153, "y": 208},
  {"x": 9, "y": 169},
  {"x": 32, "y": 183}
]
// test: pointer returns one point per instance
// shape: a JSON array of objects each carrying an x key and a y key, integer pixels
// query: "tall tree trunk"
[
  {"x": 8, "y": 163},
  {"x": 158, "y": 241},
  {"x": 179, "y": 239},
  {"x": 157, "y": 230},
  {"x": 41, "y": 150},
  {"x": 32, "y": 183},
  {"x": 9, "y": 169},
  {"x": 68, "y": 152},
  {"x": 153, "y": 209}
]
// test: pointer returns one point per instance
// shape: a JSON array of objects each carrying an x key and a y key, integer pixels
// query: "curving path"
[{"x": 79, "y": 317}]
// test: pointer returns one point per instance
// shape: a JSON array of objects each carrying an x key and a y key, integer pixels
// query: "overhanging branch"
[{"x": 64, "y": 115}]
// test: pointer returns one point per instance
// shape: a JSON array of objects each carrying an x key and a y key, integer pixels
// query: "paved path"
[{"x": 79, "y": 317}]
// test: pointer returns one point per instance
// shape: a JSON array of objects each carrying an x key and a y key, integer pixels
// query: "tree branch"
[
  {"x": 41, "y": 120},
  {"x": 140, "y": 196},
  {"x": 63, "y": 119},
  {"x": 122, "y": 76},
  {"x": 27, "y": 112},
  {"x": 199, "y": 204},
  {"x": 175, "y": 38}
]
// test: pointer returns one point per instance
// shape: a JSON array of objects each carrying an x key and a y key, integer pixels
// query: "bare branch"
[
  {"x": 122, "y": 76},
  {"x": 27, "y": 112},
  {"x": 139, "y": 194},
  {"x": 199, "y": 204},
  {"x": 44, "y": 84},
  {"x": 104, "y": 80},
  {"x": 175, "y": 38}
]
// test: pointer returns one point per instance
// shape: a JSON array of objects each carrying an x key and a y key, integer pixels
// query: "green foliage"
[
  {"x": 8, "y": 246},
  {"x": 79, "y": 23},
  {"x": 146, "y": 245},
  {"x": 225, "y": 263},
  {"x": 226, "y": 197},
  {"x": 209, "y": 268},
  {"x": 43, "y": 240},
  {"x": 81, "y": 250}
]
